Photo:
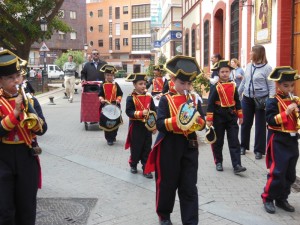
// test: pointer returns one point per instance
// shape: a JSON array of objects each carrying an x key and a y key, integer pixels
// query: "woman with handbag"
[{"x": 256, "y": 88}]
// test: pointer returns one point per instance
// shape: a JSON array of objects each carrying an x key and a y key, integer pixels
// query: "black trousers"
[
  {"x": 282, "y": 156},
  {"x": 18, "y": 185},
  {"x": 177, "y": 170},
  {"x": 111, "y": 135},
  {"x": 249, "y": 112},
  {"x": 232, "y": 131},
  {"x": 141, "y": 141}
]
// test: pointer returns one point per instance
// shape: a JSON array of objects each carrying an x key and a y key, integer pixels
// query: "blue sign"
[
  {"x": 156, "y": 44},
  {"x": 172, "y": 35},
  {"x": 176, "y": 34}
]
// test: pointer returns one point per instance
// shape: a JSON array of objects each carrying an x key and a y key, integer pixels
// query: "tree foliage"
[
  {"x": 20, "y": 23},
  {"x": 78, "y": 58}
]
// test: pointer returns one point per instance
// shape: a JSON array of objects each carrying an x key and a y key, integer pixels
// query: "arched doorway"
[
  {"x": 296, "y": 42},
  {"x": 219, "y": 32}
]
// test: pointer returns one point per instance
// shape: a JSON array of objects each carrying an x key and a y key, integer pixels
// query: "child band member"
[{"x": 282, "y": 114}]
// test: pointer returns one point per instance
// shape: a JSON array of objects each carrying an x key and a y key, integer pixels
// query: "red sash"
[
  {"x": 226, "y": 94},
  {"x": 110, "y": 91}
]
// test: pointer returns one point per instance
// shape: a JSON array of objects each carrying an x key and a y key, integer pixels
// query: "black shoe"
[
  {"x": 243, "y": 151},
  {"x": 284, "y": 205},
  {"x": 165, "y": 222},
  {"x": 258, "y": 155},
  {"x": 219, "y": 167},
  {"x": 133, "y": 169},
  {"x": 148, "y": 175},
  {"x": 110, "y": 143},
  {"x": 269, "y": 207},
  {"x": 238, "y": 169}
]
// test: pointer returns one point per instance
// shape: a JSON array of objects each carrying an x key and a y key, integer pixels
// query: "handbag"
[{"x": 260, "y": 102}]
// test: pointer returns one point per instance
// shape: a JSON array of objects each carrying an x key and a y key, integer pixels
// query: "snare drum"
[{"x": 110, "y": 117}]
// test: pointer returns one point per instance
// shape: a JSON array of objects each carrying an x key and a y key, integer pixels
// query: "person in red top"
[
  {"x": 174, "y": 157},
  {"x": 223, "y": 111},
  {"x": 139, "y": 139},
  {"x": 282, "y": 114},
  {"x": 19, "y": 166},
  {"x": 110, "y": 93},
  {"x": 157, "y": 82}
]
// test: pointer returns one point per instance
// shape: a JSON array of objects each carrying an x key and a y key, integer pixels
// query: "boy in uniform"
[
  {"x": 19, "y": 166},
  {"x": 223, "y": 111},
  {"x": 138, "y": 106},
  {"x": 174, "y": 157},
  {"x": 110, "y": 93},
  {"x": 282, "y": 114}
]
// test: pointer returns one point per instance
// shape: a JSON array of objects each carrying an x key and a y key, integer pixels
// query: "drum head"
[{"x": 111, "y": 111}]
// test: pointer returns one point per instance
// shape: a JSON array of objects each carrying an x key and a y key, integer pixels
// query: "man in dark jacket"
[{"x": 91, "y": 70}]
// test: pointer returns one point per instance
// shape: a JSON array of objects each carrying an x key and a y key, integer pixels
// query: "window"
[
  {"x": 140, "y": 11},
  {"x": 141, "y": 44},
  {"x": 193, "y": 43},
  {"x": 110, "y": 12},
  {"x": 186, "y": 44},
  {"x": 125, "y": 41},
  {"x": 61, "y": 35},
  {"x": 206, "y": 43},
  {"x": 91, "y": 14},
  {"x": 117, "y": 44},
  {"x": 117, "y": 29},
  {"x": 100, "y": 12},
  {"x": 72, "y": 15},
  {"x": 73, "y": 35},
  {"x": 125, "y": 9},
  {"x": 100, "y": 43},
  {"x": 91, "y": 43},
  {"x": 100, "y": 28},
  {"x": 234, "y": 31},
  {"x": 91, "y": 28},
  {"x": 117, "y": 13},
  {"x": 110, "y": 43},
  {"x": 141, "y": 27},
  {"x": 61, "y": 13},
  {"x": 125, "y": 26},
  {"x": 110, "y": 28}
]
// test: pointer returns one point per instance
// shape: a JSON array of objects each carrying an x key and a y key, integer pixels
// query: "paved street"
[{"x": 79, "y": 164}]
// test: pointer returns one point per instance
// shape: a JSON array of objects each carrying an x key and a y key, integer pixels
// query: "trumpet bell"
[{"x": 29, "y": 120}]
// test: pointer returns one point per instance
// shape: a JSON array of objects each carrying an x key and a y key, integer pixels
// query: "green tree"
[
  {"x": 20, "y": 23},
  {"x": 78, "y": 58}
]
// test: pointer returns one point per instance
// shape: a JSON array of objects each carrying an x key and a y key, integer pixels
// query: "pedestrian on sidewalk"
[
  {"x": 139, "y": 139},
  {"x": 174, "y": 157},
  {"x": 70, "y": 69},
  {"x": 282, "y": 113},
  {"x": 256, "y": 89},
  {"x": 110, "y": 93},
  {"x": 19, "y": 166},
  {"x": 223, "y": 111},
  {"x": 91, "y": 70}
]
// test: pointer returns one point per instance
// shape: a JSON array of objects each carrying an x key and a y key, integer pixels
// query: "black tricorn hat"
[
  {"x": 108, "y": 69},
  {"x": 210, "y": 135},
  {"x": 159, "y": 67},
  {"x": 284, "y": 73},
  {"x": 9, "y": 63},
  {"x": 183, "y": 67},
  {"x": 136, "y": 77},
  {"x": 221, "y": 64}
]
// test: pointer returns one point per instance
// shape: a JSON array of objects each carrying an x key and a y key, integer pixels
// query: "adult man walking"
[
  {"x": 91, "y": 70},
  {"x": 70, "y": 69}
]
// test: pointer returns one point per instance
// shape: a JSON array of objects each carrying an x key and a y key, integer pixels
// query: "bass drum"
[{"x": 110, "y": 117}]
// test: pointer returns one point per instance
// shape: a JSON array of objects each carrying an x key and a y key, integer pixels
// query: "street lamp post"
[
  {"x": 85, "y": 46},
  {"x": 44, "y": 27}
]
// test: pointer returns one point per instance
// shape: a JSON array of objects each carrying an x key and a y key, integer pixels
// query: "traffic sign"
[{"x": 44, "y": 48}]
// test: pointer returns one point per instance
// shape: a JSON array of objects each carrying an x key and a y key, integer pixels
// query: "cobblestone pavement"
[{"x": 78, "y": 163}]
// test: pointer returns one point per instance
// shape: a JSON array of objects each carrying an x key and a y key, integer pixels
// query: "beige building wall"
[{"x": 112, "y": 29}]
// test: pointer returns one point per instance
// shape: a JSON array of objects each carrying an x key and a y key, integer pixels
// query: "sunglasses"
[{"x": 95, "y": 53}]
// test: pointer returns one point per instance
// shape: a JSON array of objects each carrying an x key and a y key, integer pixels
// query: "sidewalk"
[{"x": 79, "y": 163}]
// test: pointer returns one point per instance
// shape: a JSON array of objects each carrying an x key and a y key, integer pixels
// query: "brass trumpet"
[
  {"x": 297, "y": 101},
  {"x": 30, "y": 116}
]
